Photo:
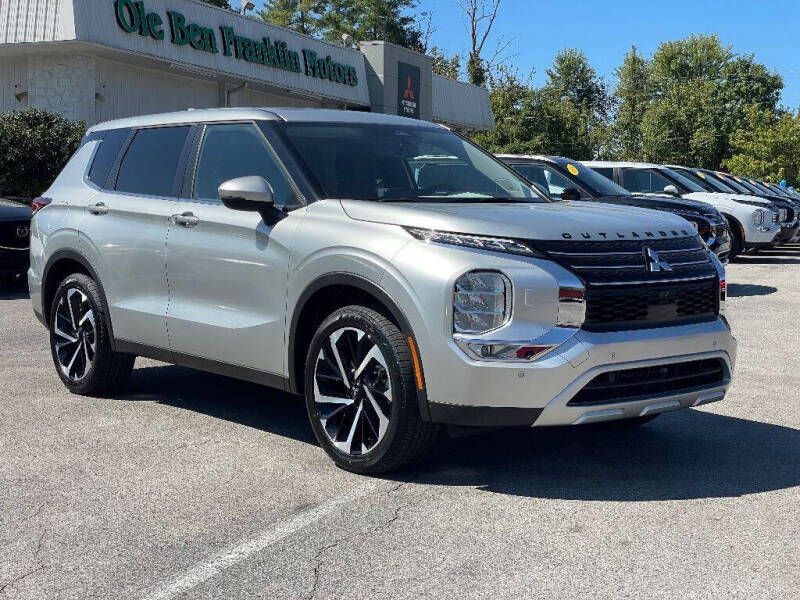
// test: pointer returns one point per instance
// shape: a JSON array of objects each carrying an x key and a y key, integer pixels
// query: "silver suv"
[{"x": 388, "y": 270}]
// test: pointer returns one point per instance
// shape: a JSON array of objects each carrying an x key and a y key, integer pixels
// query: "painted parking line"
[{"x": 233, "y": 555}]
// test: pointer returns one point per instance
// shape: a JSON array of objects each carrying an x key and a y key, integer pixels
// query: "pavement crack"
[
  {"x": 319, "y": 559},
  {"x": 16, "y": 580}
]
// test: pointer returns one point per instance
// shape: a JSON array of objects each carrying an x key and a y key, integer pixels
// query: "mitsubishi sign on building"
[{"x": 104, "y": 59}]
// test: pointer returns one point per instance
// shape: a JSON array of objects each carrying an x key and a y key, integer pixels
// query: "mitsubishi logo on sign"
[
  {"x": 408, "y": 82},
  {"x": 654, "y": 262}
]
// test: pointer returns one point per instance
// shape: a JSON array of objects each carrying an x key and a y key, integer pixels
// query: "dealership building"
[{"x": 97, "y": 60}]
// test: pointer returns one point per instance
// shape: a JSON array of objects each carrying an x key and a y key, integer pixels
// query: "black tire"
[
  {"x": 618, "y": 424},
  {"x": 406, "y": 438},
  {"x": 737, "y": 243},
  {"x": 104, "y": 371}
]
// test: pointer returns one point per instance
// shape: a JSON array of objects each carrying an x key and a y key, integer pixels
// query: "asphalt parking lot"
[{"x": 197, "y": 486}]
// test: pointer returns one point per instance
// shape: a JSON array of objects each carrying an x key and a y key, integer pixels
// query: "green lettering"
[
  {"x": 177, "y": 25},
  {"x": 143, "y": 29},
  {"x": 127, "y": 15},
  {"x": 196, "y": 36},
  {"x": 228, "y": 38},
  {"x": 250, "y": 54},
  {"x": 310, "y": 60},
  {"x": 154, "y": 22},
  {"x": 210, "y": 40}
]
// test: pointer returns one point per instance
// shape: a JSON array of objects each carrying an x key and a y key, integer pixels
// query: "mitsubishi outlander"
[{"x": 392, "y": 273}]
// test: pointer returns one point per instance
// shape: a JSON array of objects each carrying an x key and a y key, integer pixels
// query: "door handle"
[
  {"x": 98, "y": 209},
  {"x": 187, "y": 219}
]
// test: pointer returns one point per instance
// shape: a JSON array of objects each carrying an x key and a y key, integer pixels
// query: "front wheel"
[
  {"x": 80, "y": 341},
  {"x": 360, "y": 393}
]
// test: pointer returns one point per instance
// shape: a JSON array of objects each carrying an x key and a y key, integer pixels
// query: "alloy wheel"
[
  {"x": 352, "y": 391},
  {"x": 75, "y": 335}
]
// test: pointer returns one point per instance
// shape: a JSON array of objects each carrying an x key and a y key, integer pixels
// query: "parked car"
[
  {"x": 15, "y": 220},
  {"x": 568, "y": 179},
  {"x": 753, "y": 222},
  {"x": 790, "y": 224},
  {"x": 391, "y": 272}
]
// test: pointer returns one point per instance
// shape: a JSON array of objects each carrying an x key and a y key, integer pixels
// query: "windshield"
[
  {"x": 737, "y": 187},
  {"x": 683, "y": 180},
  {"x": 364, "y": 161},
  {"x": 714, "y": 182},
  {"x": 600, "y": 184}
]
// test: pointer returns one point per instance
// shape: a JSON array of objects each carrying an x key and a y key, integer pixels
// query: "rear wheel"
[
  {"x": 80, "y": 341},
  {"x": 360, "y": 393}
]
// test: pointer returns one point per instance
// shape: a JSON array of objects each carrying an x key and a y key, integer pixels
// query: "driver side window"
[
  {"x": 643, "y": 181},
  {"x": 238, "y": 150}
]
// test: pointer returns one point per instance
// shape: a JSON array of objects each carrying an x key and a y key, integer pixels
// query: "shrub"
[{"x": 34, "y": 147}]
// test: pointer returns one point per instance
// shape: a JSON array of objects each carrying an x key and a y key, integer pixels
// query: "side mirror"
[
  {"x": 671, "y": 190},
  {"x": 570, "y": 193},
  {"x": 253, "y": 193}
]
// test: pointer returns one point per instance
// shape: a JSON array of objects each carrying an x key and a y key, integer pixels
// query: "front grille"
[
  {"x": 622, "y": 290},
  {"x": 644, "y": 382},
  {"x": 14, "y": 235},
  {"x": 629, "y": 307},
  {"x": 721, "y": 231}
]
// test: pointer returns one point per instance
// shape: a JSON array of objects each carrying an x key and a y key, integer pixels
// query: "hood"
[
  {"x": 711, "y": 196},
  {"x": 658, "y": 202},
  {"x": 14, "y": 212},
  {"x": 539, "y": 221}
]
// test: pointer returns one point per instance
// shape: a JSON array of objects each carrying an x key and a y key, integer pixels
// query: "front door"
[{"x": 227, "y": 270}]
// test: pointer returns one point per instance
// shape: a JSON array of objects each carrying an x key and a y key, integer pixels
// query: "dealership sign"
[
  {"x": 408, "y": 79},
  {"x": 132, "y": 17}
]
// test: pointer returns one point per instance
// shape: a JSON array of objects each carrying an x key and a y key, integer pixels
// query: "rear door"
[
  {"x": 227, "y": 269},
  {"x": 124, "y": 230}
]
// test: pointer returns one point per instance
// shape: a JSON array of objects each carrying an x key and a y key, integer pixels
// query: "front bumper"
[
  {"x": 538, "y": 393},
  {"x": 788, "y": 232}
]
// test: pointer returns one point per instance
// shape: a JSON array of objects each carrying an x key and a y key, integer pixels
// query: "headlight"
[
  {"x": 758, "y": 216},
  {"x": 471, "y": 241},
  {"x": 481, "y": 302}
]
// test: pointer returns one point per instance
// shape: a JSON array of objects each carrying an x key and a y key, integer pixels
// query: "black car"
[
  {"x": 570, "y": 180},
  {"x": 15, "y": 221}
]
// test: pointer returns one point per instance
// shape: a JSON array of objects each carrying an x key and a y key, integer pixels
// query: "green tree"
[
  {"x": 700, "y": 94},
  {"x": 386, "y": 20},
  {"x": 36, "y": 144},
  {"x": 447, "y": 66},
  {"x": 585, "y": 100},
  {"x": 634, "y": 95},
  {"x": 532, "y": 121},
  {"x": 767, "y": 146},
  {"x": 298, "y": 15}
]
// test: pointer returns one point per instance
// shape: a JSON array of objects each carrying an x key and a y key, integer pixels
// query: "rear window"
[
  {"x": 106, "y": 154},
  {"x": 151, "y": 161}
]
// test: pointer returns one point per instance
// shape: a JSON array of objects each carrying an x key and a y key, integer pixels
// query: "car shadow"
[
  {"x": 242, "y": 402},
  {"x": 14, "y": 290},
  {"x": 737, "y": 290},
  {"x": 681, "y": 455}
]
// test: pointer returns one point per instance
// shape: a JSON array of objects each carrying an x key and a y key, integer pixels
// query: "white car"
[{"x": 753, "y": 221}]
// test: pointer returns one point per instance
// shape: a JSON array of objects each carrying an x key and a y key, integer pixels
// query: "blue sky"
[{"x": 605, "y": 30}]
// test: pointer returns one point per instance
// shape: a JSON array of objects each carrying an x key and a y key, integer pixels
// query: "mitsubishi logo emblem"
[{"x": 654, "y": 262}]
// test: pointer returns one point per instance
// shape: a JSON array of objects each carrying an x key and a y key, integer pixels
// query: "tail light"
[
  {"x": 723, "y": 292},
  {"x": 39, "y": 203}
]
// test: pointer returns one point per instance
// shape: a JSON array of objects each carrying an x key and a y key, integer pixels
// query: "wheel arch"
[
  {"x": 62, "y": 263},
  {"x": 319, "y": 299},
  {"x": 740, "y": 230}
]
